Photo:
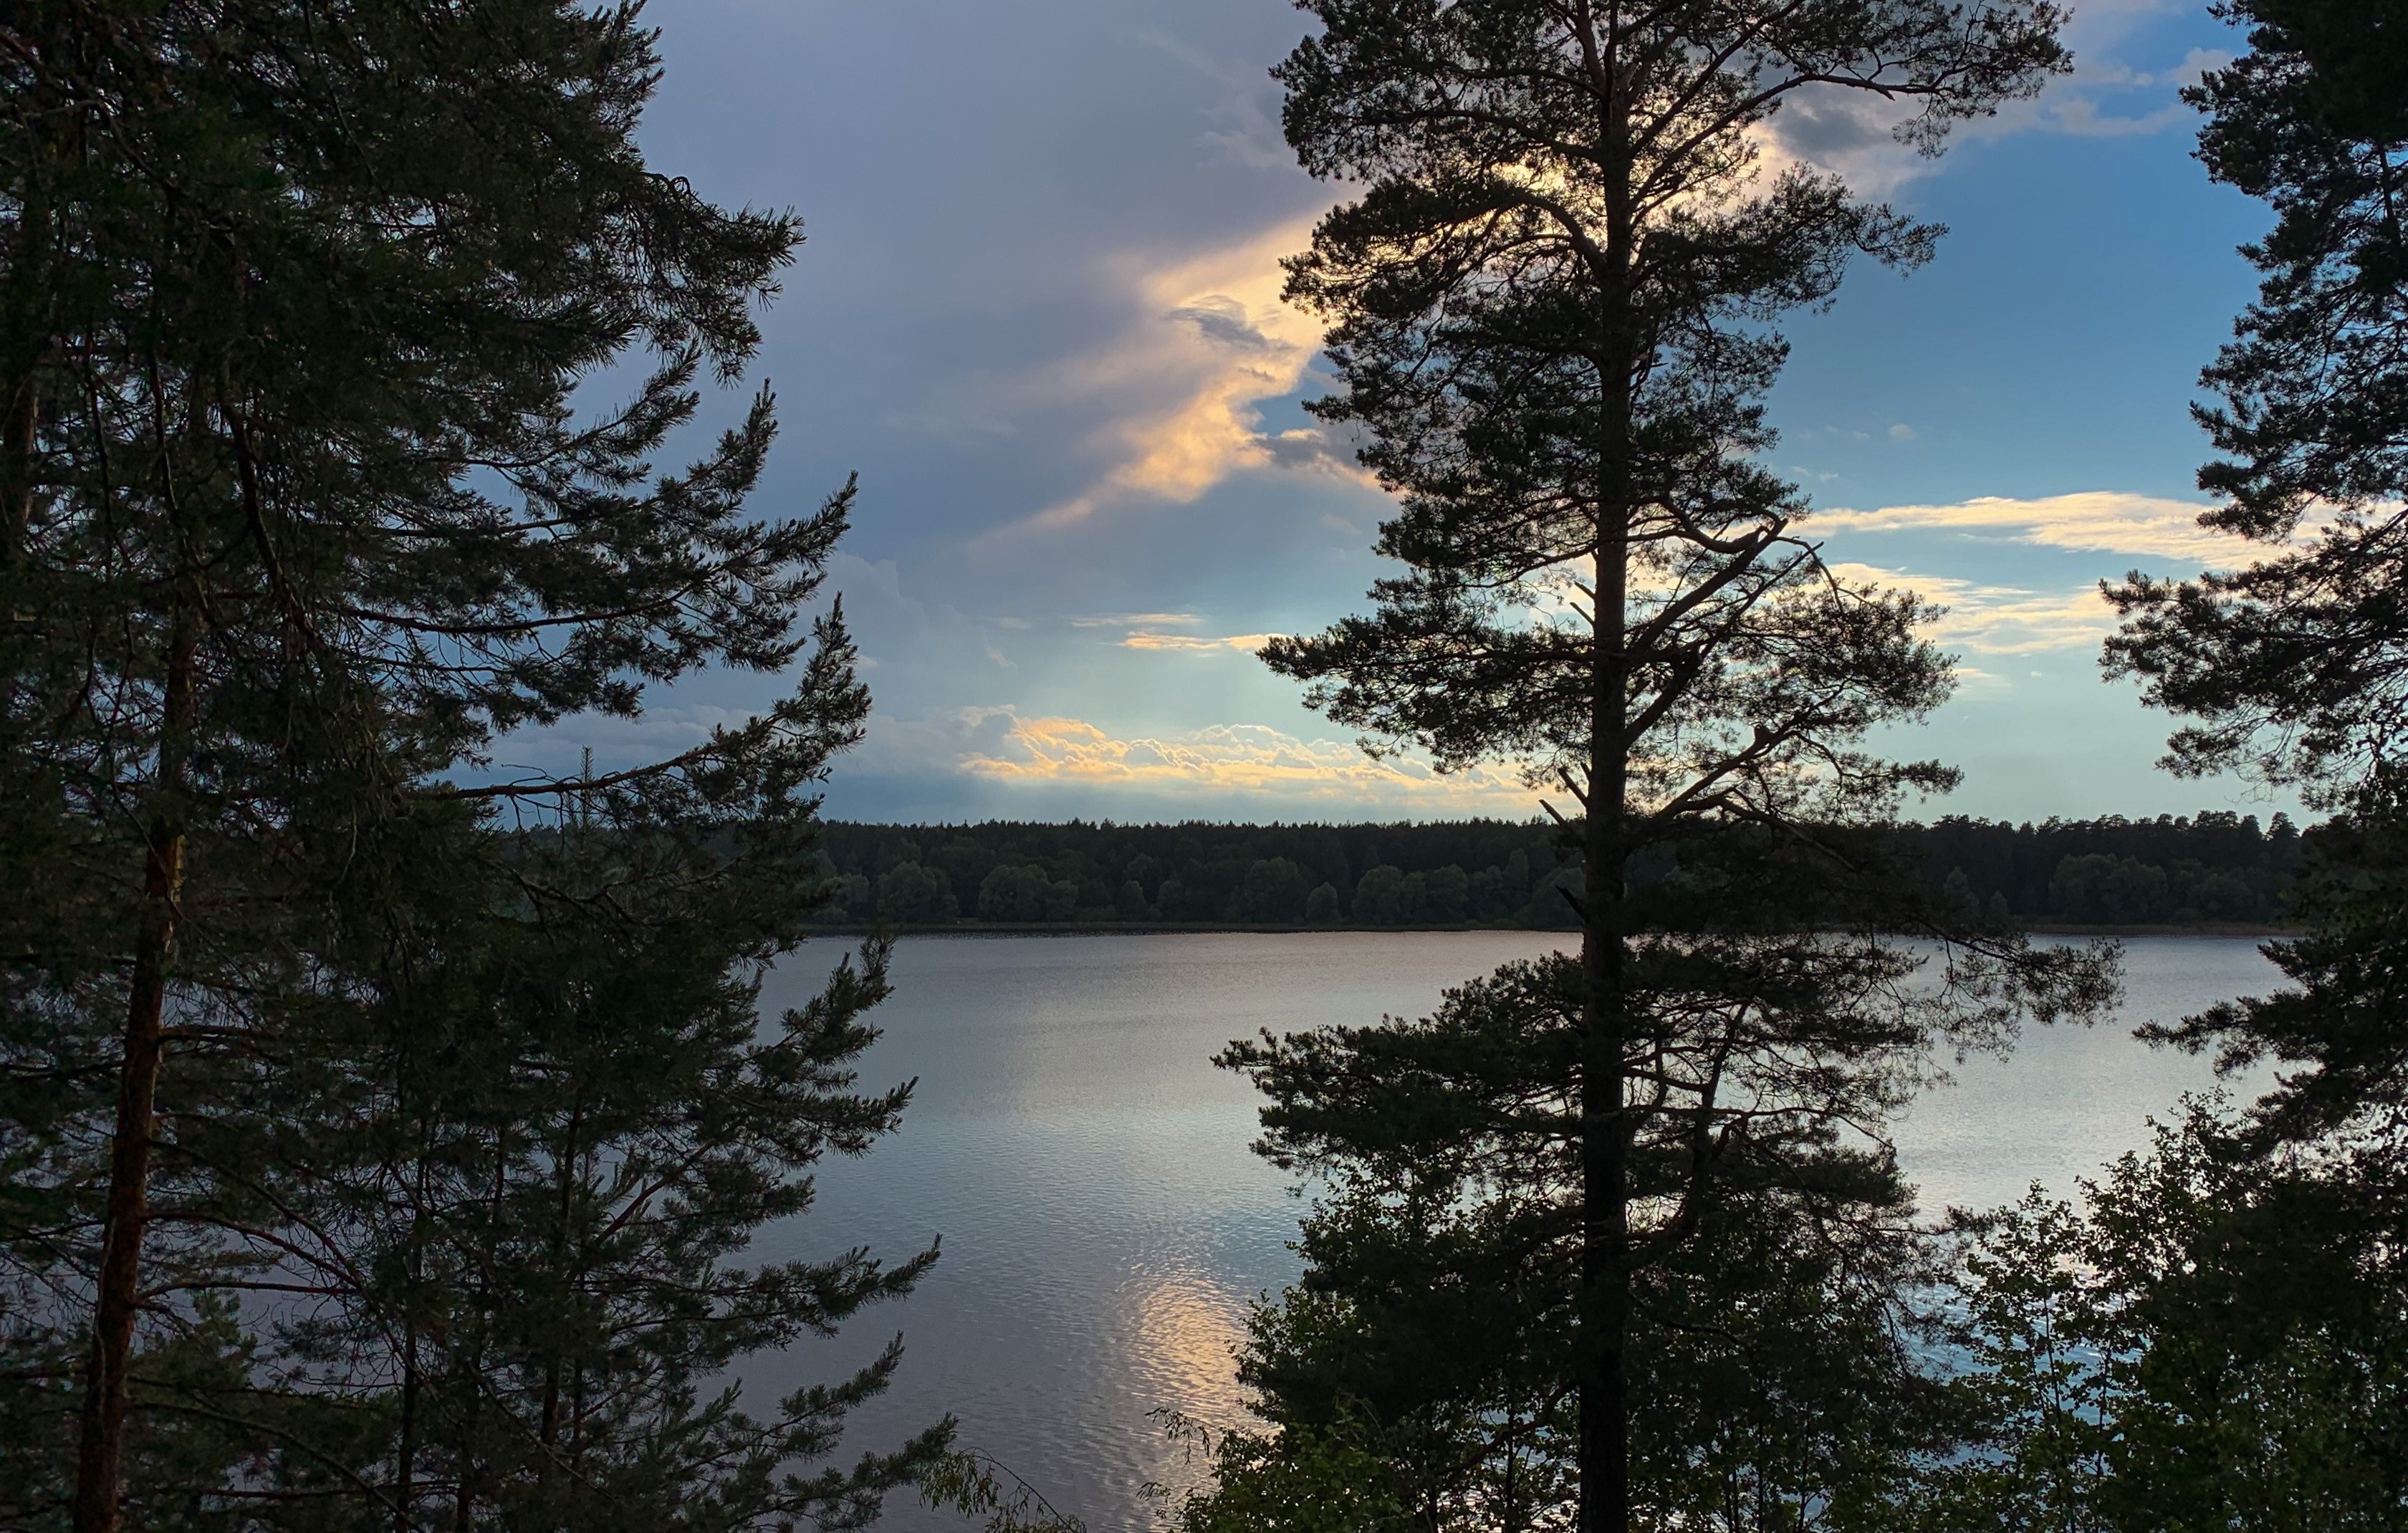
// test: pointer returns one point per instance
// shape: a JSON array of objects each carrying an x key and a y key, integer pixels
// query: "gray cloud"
[{"x": 1223, "y": 319}]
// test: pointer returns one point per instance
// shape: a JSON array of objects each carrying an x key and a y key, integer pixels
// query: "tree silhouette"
[{"x": 1550, "y": 302}]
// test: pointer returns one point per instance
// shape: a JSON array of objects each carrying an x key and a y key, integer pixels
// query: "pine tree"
[
  {"x": 2274, "y": 1311},
  {"x": 1550, "y": 307},
  {"x": 2290, "y": 668},
  {"x": 525, "y": 1202},
  {"x": 299, "y": 523}
]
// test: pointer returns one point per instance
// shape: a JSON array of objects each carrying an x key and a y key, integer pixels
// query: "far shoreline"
[{"x": 1207, "y": 928}]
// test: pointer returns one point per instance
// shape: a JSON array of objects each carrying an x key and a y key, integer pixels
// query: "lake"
[{"x": 1104, "y": 1226}]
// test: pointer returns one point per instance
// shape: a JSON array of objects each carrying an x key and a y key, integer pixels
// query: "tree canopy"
[
  {"x": 314, "y": 491},
  {"x": 1551, "y": 295}
]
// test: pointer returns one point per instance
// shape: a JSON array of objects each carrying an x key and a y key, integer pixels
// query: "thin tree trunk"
[
  {"x": 20, "y": 414},
  {"x": 1605, "y": 1134},
  {"x": 566, "y": 1177},
  {"x": 1605, "y": 1500},
  {"x": 464, "y": 1493},
  {"x": 27, "y": 339},
  {"x": 404, "y": 1490},
  {"x": 100, "y": 1450},
  {"x": 471, "y": 1470},
  {"x": 406, "y": 1452},
  {"x": 27, "y": 346}
]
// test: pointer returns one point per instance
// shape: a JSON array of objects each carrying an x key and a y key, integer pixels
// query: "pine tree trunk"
[
  {"x": 100, "y": 1450},
  {"x": 27, "y": 341},
  {"x": 1605, "y": 1278},
  {"x": 18, "y": 416},
  {"x": 1605, "y": 1501}
]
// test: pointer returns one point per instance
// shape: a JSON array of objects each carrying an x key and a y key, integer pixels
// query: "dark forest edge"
[{"x": 2215, "y": 872}]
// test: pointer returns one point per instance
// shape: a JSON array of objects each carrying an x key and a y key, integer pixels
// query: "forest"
[
  {"x": 2216, "y": 868},
  {"x": 403, "y": 1129}
]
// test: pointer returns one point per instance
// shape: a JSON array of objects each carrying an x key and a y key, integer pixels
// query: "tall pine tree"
[
  {"x": 519, "y": 1188},
  {"x": 300, "y": 519},
  {"x": 1551, "y": 302},
  {"x": 2290, "y": 669}
]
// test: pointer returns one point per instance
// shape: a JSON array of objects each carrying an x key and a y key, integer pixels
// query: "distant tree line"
[
  {"x": 1485, "y": 871},
  {"x": 2216, "y": 867}
]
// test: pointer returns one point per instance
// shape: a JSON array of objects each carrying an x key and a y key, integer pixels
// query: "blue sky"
[{"x": 1036, "y": 312}]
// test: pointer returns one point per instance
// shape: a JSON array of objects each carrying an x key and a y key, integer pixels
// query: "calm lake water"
[{"x": 1105, "y": 1228}]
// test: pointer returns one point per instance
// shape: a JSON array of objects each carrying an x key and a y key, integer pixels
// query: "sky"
[{"x": 1036, "y": 312}]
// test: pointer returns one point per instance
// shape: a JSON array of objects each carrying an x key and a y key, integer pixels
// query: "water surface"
[{"x": 1104, "y": 1226}]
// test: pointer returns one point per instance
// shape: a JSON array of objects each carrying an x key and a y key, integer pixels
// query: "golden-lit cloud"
[
  {"x": 1210, "y": 341},
  {"x": 1242, "y": 643},
  {"x": 2096, "y": 520},
  {"x": 1997, "y": 619},
  {"x": 1140, "y": 620},
  {"x": 1237, "y": 758}
]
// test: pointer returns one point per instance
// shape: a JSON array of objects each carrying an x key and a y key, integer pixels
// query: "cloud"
[
  {"x": 1851, "y": 133},
  {"x": 1252, "y": 760},
  {"x": 1322, "y": 449},
  {"x": 1243, "y": 643},
  {"x": 1902, "y": 433},
  {"x": 2099, "y": 520},
  {"x": 2082, "y": 117},
  {"x": 1997, "y": 619},
  {"x": 1138, "y": 620},
  {"x": 1248, "y": 108},
  {"x": 1207, "y": 339},
  {"x": 2086, "y": 104}
]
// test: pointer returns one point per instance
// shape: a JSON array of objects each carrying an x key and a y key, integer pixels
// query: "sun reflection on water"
[{"x": 1187, "y": 1329}]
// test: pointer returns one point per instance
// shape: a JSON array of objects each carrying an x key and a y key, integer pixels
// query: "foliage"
[
  {"x": 453, "y": 1080},
  {"x": 2290, "y": 666},
  {"x": 969, "y": 1482},
  {"x": 2214, "y": 867},
  {"x": 1024, "y": 893},
  {"x": 917, "y": 896},
  {"x": 521, "y": 1197},
  {"x": 1551, "y": 297},
  {"x": 1238, "y": 874},
  {"x": 1300, "y": 1481},
  {"x": 2213, "y": 1342},
  {"x": 1772, "y": 1355},
  {"x": 2258, "y": 1259},
  {"x": 2341, "y": 1034}
]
